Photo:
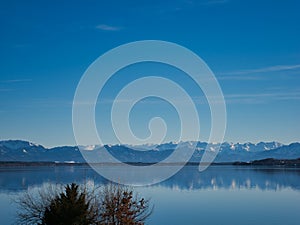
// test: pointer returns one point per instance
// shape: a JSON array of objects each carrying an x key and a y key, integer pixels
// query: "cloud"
[
  {"x": 15, "y": 80},
  {"x": 252, "y": 74},
  {"x": 236, "y": 98},
  {"x": 277, "y": 68},
  {"x": 21, "y": 45},
  {"x": 106, "y": 27},
  {"x": 213, "y": 2},
  {"x": 262, "y": 97},
  {"x": 5, "y": 90},
  {"x": 239, "y": 77}
]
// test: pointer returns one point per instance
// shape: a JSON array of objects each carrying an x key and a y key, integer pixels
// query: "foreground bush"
[
  {"x": 119, "y": 206},
  {"x": 75, "y": 205}
]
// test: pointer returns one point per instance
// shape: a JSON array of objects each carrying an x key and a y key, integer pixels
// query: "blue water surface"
[{"x": 220, "y": 195}]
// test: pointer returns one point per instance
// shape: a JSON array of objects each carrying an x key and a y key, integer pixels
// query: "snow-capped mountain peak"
[{"x": 16, "y": 150}]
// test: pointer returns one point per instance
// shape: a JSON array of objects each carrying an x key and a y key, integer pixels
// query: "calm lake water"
[{"x": 218, "y": 196}]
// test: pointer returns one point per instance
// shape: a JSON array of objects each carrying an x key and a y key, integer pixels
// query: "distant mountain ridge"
[{"x": 18, "y": 150}]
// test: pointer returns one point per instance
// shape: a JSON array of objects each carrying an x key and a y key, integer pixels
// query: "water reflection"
[
  {"x": 234, "y": 177},
  {"x": 216, "y": 177}
]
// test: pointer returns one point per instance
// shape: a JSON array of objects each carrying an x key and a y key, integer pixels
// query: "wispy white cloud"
[
  {"x": 21, "y": 45},
  {"x": 213, "y": 2},
  {"x": 239, "y": 77},
  {"x": 269, "y": 95},
  {"x": 106, "y": 27},
  {"x": 255, "y": 98},
  {"x": 253, "y": 74},
  {"x": 277, "y": 68},
  {"x": 5, "y": 89},
  {"x": 15, "y": 80}
]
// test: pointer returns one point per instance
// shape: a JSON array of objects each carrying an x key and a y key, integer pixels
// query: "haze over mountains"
[{"x": 17, "y": 150}]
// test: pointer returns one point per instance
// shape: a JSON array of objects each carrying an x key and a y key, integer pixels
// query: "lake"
[{"x": 220, "y": 195}]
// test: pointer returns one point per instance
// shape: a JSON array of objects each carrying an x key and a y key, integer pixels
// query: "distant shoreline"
[{"x": 263, "y": 162}]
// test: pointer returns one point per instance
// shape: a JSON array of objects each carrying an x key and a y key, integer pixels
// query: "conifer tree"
[{"x": 69, "y": 208}]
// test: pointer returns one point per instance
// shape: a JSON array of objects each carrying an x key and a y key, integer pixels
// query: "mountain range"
[{"x": 24, "y": 151}]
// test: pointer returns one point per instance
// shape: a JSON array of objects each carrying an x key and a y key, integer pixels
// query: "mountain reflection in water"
[{"x": 14, "y": 179}]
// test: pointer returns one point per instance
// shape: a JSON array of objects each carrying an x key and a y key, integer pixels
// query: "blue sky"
[{"x": 252, "y": 47}]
